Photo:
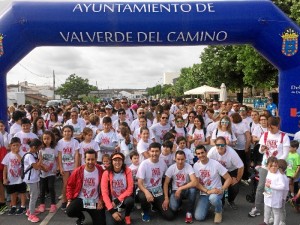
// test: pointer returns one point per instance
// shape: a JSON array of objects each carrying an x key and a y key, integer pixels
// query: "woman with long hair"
[{"x": 117, "y": 189}]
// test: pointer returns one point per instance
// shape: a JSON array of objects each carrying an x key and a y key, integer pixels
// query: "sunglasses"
[
  {"x": 221, "y": 145},
  {"x": 141, "y": 113},
  {"x": 191, "y": 117},
  {"x": 165, "y": 118},
  {"x": 121, "y": 113},
  {"x": 224, "y": 113},
  {"x": 179, "y": 121},
  {"x": 224, "y": 122},
  {"x": 123, "y": 102}
]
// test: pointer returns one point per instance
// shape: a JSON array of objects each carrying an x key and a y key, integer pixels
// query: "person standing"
[
  {"x": 83, "y": 191},
  {"x": 272, "y": 143}
]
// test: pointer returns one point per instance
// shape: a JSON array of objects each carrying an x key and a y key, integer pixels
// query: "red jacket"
[
  {"x": 106, "y": 191},
  {"x": 75, "y": 181}
]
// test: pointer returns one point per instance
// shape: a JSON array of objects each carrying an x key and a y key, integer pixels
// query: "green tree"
[{"x": 74, "y": 87}]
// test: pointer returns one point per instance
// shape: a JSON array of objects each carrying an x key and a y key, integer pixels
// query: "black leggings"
[
  {"x": 47, "y": 183},
  {"x": 75, "y": 210}
]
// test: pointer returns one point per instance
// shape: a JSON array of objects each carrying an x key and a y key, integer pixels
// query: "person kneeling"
[
  {"x": 83, "y": 192},
  {"x": 117, "y": 188}
]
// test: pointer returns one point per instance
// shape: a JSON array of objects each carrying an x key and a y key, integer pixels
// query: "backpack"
[{"x": 23, "y": 171}]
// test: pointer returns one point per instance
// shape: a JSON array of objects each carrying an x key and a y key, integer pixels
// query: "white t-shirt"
[
  {"x": 159, "y": 131},
  {"x": 297, "y": 138},
  {"x": 135, "y": 124},
  {"x": 210, "y": 128},
  {"x": 180, "y": 132},
  {"x": 230, "y": 160},
  {"x": 130, "y": 114},
  {"x": 239, "y": 130},
  {"x": 189, "y": 156},
  {"x": 25, "y": 137},
  {"x": 259, "y": 131},
  {"x": 33, "y": 175},
  {"x": 134, "y": 170},
  {"x": 84, "y": 146},
  {"x": 15, "y": 128},
  {"x": 137, "y": 134},
  {"x": 169, "y": 159},
  {"x": 68, "y": 150},
  {"x": 141, "y": 148},
  {"x": 90, "y": 185},
  {"x": 116, "y": 124},
  {"x": 228, "y": 136},
  {"x": 273, "y": 194},
  {"x": 49, "y": 156},
  {"x": 106, "y": 141},
  {"x": 152, "y": 173},
  {"x": 13, "y": 167},
  {"x": 275, "y": 146},
  {"x": 78, "y": 127},
  {"x": 125, "y": 150},
  {"x": 209, "y": 174},
  {"x": 198, "y": 135},
  {"x": 119, "y": 184},
  {"x": 179, "y": 177}
]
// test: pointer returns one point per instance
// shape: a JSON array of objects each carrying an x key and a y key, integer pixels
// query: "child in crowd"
[
  {"x": 143, "y": 144},
  {"x": 87, "y": 143},
  {"x": 274, "y": 191},
  {"x": 4, "y": 134},
  {"x": 293, "y": 168},
  {"x": 181, "y": 143},
  {"x": 3, "y": 152},
  {"x": 32, "y": 167},
  {"x": 68, "y": 158},
  {"x": 134, "y": 157},
  {"x": 166, "y": 153},
  {"x": 48, "y": 157},
  {"x": 107, "y": 138},
  {"x": 12, "y": 177},
  {"x": 126, "y": 145},
  {"x": 105, "y": 161},
  {"x": 25, "y": 134},
  {"x": 282, "y": 165}
]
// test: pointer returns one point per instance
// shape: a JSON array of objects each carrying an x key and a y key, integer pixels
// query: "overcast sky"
[{"x": 108, "y": 67}]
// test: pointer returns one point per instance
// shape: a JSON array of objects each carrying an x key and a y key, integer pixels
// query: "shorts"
[{"x": 16, "y": 188}]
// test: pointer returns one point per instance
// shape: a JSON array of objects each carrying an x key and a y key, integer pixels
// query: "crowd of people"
[{"x": 153, "y": 155}]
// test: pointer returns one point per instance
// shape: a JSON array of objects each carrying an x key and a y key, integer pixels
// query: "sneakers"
[
  {"x": 41, "y": 208},
  {"x": 53, "y": 208},
  {"x": 20, "y": 211},
  {"x": 233, "y": 205},
  {"x": 79, "y": 221},
  {"x": 145, "y": 217},
  {"x": 3, "y": 209},
  {"x": 36, "y": 212},
  {"x": 188, "y": 217},
  {"x": 218, "y": 218},
  {"x": 33, "y": 218},
  {"x": 63, "y": 206},
  {"x": 254, "y": 212},
  {"x": 12, "y": 211},
  {"x": 127, "y": 220}
]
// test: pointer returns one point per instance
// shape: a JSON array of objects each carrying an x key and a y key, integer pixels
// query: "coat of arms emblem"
[{"x": 289, "y": 42}]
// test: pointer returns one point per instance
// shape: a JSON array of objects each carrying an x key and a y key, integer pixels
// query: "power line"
[{"x": 33, "y": 73}]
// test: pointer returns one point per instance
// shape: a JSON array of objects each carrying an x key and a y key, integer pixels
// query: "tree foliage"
[{"x": 74, "y": 87}]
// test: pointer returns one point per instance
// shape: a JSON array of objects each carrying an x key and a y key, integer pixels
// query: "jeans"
[
  {"x": 158, "y": 201},
  {"x": 259, "y": 197},
  {"x": 75, "y": 209},
  {"x": 202, "y": 205},
  {"x": 190, "y": 194}
]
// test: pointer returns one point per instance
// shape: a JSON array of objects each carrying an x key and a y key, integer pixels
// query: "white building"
[{"x": 168, "y": 77}]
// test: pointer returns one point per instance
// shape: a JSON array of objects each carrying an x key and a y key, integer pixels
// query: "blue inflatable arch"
[{"x": 26, "y": 25}]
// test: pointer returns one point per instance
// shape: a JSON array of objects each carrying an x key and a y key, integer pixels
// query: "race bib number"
[
  {"x": 67, "y": 158},
  {"x": 89, "y": 203},
  {"x": 156, "y": 192}
]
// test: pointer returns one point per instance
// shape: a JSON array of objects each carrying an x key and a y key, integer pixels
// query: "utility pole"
[{"x": 53, "y": 85}]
